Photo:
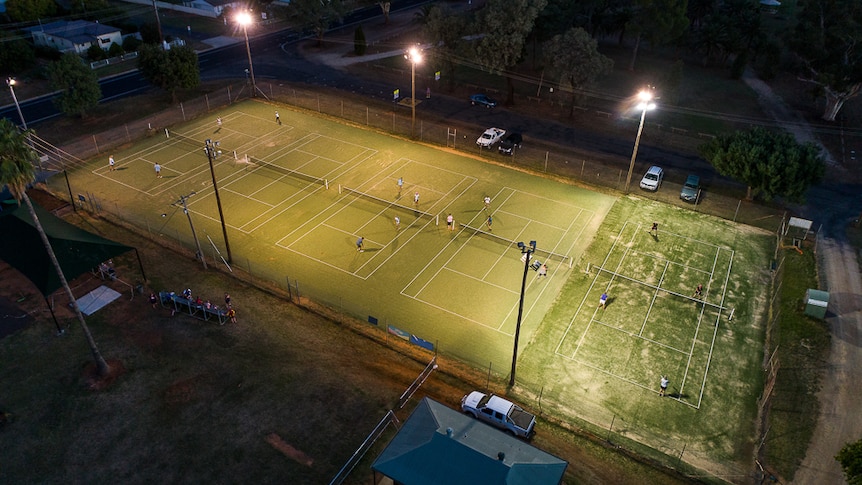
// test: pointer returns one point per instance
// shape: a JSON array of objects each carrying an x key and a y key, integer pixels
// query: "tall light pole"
[
  {"x": 244, "y": 19},
  {"x": 11, "y": 83},
  {"x": 183, "y": 199},
  {"x": 414, "y": 56},
  {"x": 645, "y": 105},
  {"x": 527, "y": 250},
  {"x": 212, "y": 151}
]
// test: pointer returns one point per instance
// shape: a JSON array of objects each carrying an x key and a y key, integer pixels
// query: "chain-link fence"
[{"x": 550, "y": 160}]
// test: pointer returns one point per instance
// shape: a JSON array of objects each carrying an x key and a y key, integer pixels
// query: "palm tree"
[{"x": 16, "y": 171}]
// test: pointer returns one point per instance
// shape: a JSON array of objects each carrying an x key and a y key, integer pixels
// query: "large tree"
[
  {"x": 850, "y": 458},
  {"x": 17, "y": 173},
  {"x": 826, "y": 43},
  {"x": 772, "y": 164},
  {"x": 319, "y": 15},
  {"x": 656, "y": 21},
  {"x": 505, "y": 26},
  {"x": 30, "y": 10},
  {"x": 78, "y": 83},
  {"x": 444, "y": 30},
  {"x": 170, "y": 70},
  {"x": 574, "y": 58},
  {"x": 16, "y": 54}
]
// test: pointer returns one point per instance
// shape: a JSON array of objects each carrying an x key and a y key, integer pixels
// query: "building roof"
[
  {"x": 77, "y": 31},
  {"x": 439, "y": 445}
]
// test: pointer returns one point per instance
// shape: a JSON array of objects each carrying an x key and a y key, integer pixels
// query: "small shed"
[{"x": 816, "y": 302}]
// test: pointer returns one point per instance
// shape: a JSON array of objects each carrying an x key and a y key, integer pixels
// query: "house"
[
  {"x": 75, "y": 35},
  {"x": 439, "y": 445}
]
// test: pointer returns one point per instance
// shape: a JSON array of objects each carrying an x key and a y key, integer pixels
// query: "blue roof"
[
  {"x": 439, "y": 445},
  {"x": 77, "y": 31}
]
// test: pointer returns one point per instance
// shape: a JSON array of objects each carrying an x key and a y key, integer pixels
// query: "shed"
[
  {"x": 816, "y": 302},
  {"x": 440, "y": 445}
]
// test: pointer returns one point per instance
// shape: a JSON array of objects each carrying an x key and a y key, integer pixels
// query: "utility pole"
[
  {"x": 212, "y": 152},
  {"x": 200, "y": 253}
]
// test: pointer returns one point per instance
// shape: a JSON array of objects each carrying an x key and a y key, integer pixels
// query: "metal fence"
[{"x": 391, "y": 118}]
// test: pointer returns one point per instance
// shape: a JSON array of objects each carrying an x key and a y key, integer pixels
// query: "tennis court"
[
  {"x": 296, "y": 196},
  {"x": 654, "y": 321}
]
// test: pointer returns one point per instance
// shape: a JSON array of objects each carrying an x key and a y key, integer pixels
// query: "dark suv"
[{"x": 508, "y": 145}]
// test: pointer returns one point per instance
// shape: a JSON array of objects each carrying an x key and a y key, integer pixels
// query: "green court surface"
[{"x": 297, "y": 196}]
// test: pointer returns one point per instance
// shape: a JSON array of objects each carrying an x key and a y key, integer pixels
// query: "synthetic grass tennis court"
[{"x": 289, "y": 194}]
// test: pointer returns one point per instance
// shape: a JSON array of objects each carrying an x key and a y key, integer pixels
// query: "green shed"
[{"x": 816, "y": 302}]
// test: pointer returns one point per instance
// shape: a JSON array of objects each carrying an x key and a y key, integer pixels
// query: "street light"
[
  {"x": 527, "y": 251},
  {"x": 645, "y": 105},
  {"x": 414, "y": 56},
  {"x": 244, "y": 19},
  {"x": 183, "y": 199},
  {"x": 212, "y": 151},
  {"x": 11, "y": 83}
]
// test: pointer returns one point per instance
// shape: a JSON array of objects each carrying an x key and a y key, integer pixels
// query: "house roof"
[
  {"x": 77, "y": 250},
  {"x": 77, "y": 31},
  {"x": 439, "y": 445}
]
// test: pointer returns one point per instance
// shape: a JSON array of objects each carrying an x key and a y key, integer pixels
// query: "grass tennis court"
[{"x": 297, "y": 195}]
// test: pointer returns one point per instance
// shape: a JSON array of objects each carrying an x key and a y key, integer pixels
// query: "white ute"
[
  {"x": 499, "y": 413},
  {"x": 491, "y": 136}
]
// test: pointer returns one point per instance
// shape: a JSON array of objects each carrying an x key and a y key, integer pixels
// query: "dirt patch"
[{"x": 288, "y": 451}]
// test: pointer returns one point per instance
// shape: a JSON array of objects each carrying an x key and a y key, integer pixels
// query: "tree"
[
  {"x": 170, "y": 70},
  {"x": 319, "y": 15},
  {"x": 30, "y": 10},
  {"x": 506, "y": 24},
  {"x": 850, "y": 458},
  {"x": 575, "y": 59},
  {"x": 826, "y": 44},
  {"x": 17, "y": 173},
  {"x": 445, "y": 29},
  {"x": 656, "y": 21},
  {"x": 359, "y": 42},
  {"x": 16, "y": 55},
  {"x": 385, "y": 6},
  {"x": 772, "y": 164},
  {"x": 78, "y": 83}
]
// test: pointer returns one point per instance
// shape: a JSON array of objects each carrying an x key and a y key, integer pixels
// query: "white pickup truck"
[
  {"x": 500, "y": 413},
  {"x": 491, "y": 136}
]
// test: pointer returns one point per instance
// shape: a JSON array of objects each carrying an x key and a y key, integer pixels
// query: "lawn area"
[{"x": 289, "y": 194}]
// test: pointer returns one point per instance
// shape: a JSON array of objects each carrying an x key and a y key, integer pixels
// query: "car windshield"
[{"x": 651, "y": 176}]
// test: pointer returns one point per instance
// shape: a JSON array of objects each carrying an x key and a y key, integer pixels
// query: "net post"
[
  {"x": 326, "y": 183},
  {"x": 167, "y": 134},
  {"x": 339, "y": 189},
  {"x": 730, "y": 318},
  {"x": 571, "y": 262},
  {"x": 437, "y": 220}
]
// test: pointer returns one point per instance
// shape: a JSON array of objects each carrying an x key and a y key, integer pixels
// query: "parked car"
[
  {"x": 691, "y": 189},
  {"x": 490, "y": 137},
  {"x": 482, "y": 100},
  {"x": 500, "y": 413},
  {"x": 652, "y": 179},
  {"x": 508, "y": 145}
]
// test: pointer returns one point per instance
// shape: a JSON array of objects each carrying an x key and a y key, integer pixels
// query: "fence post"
[
  {"x": 96, "y": 144},
  {"x": 183, "y": 109},
  {"x": 229, "y": 101},
  {"x": 207, "y": 98},
  {"x": 128, "y": 136},
  {"x": 366, "y": 116},
  {"x": 737, "y": 210},
  {"x": 610, "y": 428},
  {"x": 546, "y": 160}
]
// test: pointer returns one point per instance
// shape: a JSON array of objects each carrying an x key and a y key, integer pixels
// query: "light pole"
[
  {"x": 212, "y": 151},
  {"x": 645, "y": 105},
  {"x": 244, "y": 19},
  {"x": 183, "y": 199},
  {"x": 527, "y": 250},
  {"x": 414, "y": 56},
  {"x": 11, "y": 83}
]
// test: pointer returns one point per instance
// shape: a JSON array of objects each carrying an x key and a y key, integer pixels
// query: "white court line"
[
  {"x": 639, "y": 336},
  {"x": 654, "y": 296},
  {"x": 572, "y": 321}
]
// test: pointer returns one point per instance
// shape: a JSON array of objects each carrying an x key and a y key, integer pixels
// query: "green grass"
[
  {"x": 802, "y": 345},
  {"x": 461, "y": 292}
]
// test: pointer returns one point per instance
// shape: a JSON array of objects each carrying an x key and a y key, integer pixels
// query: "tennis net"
[
  {"x": 256, "y": 164},
  {"x": 548, "y": 255},
  {"x": 173, "y": 135},
  {"x": 388, "y": 203}
]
